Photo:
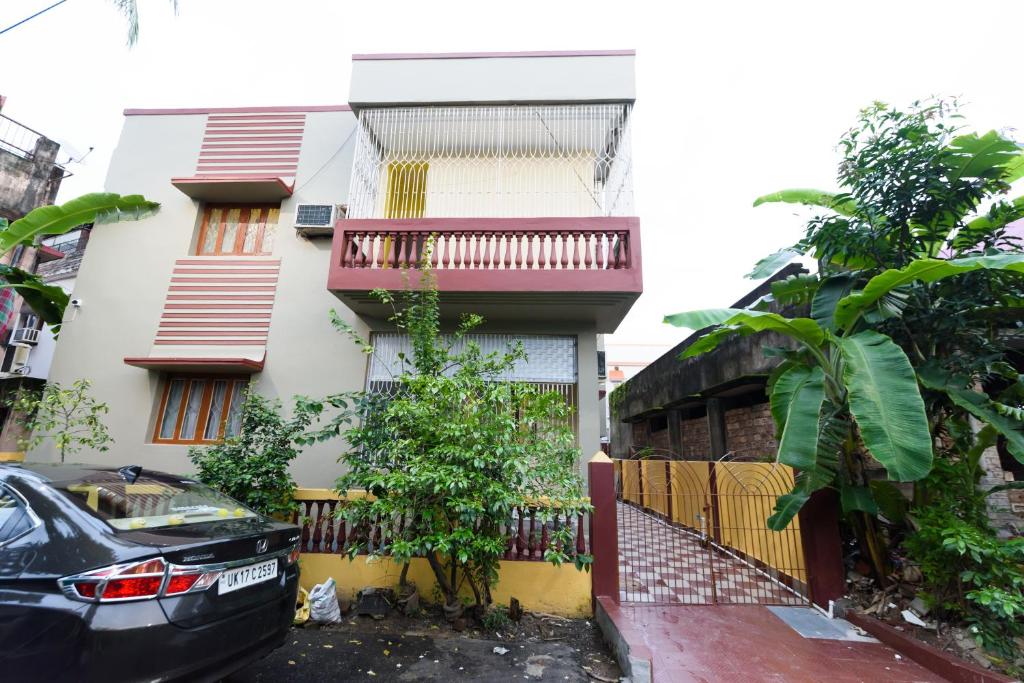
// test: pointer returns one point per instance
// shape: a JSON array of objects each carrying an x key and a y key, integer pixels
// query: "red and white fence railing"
[
  {"x": 326, "y": 531},
  {"x": 530, "y": 244}
]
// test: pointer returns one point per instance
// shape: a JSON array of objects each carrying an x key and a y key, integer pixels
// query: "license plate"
[{"x": 242, "y": 577}]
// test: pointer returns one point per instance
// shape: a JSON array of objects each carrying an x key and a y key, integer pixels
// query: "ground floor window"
[
  {"x": 551, "y": 362},
  {"x": 199, "y": 409}
]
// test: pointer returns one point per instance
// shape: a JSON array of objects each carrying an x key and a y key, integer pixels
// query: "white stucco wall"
[
  {"x": 126, "y": 270},
  {"x": 489, "y": 79}
]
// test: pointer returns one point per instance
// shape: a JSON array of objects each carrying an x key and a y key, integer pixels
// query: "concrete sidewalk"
[{"x": 748, "y": 643}]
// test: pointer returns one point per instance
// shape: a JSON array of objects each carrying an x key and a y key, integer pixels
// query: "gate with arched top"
[{"x": 694, "y": 532}]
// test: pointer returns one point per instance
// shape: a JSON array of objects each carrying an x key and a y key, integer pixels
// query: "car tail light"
[
  {"x": 293, "y": 556},
  {"x": 137, "y": 581}
]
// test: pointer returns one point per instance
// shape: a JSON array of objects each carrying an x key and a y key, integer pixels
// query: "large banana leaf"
[
  {"x": 979, "y": 228},
  {"x": 768, "y": 266},
  {"x": 830, "y": 291},
  {"x": 981, "y": 156},
  {"x": 796, "y": 400},
  {"x": 795, "y": 290},
  {"x": 841, "y": 204},
  {"x": 924, "y": 270},
  {"x": 977, "y": 404},
  {"x": 47, "y": 301},
  {"x": 786, "y": 507},
  {"x": 57, "y": 220},
  {"x": 742, "y": 321},
  {"x": 886, "y": 403}
]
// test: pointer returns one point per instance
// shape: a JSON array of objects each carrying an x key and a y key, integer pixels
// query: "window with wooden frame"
[
  {"x": 238, "y": 230},
  {"x": 198, "y": 410}
]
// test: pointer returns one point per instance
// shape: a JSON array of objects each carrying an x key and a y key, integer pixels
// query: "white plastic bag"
[{"x": 323, "y": 603}]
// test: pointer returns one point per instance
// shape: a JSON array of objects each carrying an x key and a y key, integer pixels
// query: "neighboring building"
[
  {"x": 623, "y": 362},
  {"x": 704, "y": 407},
  {"x": 29, "y": 178},
  {"x": 518, "y": 164}
]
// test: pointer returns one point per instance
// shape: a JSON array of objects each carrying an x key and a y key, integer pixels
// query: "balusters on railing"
[
  {"x": 531, "y": 545},
  {"x": 305, "y": 523},
  {"x": 576, "y": 249},
  {"x": 329, "y": 535}
]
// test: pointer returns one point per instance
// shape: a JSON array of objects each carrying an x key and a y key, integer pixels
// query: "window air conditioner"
[{"x": 317, "y": 219}]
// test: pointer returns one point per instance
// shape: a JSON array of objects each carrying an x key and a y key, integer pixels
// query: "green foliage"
[
  {"x": 49, "y": 301},
  {"x": 970, "y": 574},
  {"x": 67, "y": 416},
  {"x": 454, "y": 450},
  {"x": 496, "y": 618},
  {"x": 910, "y": 280},
  {"x": 253, "y": 466}
]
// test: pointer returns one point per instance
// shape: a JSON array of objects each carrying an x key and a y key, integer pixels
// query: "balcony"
[
  {"x": 526, "y": 211},
  {"x": 554, "y": 269}
]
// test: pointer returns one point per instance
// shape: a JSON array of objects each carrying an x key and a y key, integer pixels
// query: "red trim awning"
[
  {"x": 47, "y": 253},
  {"x": 225, "y": 365},
  {"x": 234, "y": 188}
]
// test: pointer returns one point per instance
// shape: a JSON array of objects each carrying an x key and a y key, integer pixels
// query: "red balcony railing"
[
  {"x": 515, "y": 250},
  {"x": 488, "y": 244}
]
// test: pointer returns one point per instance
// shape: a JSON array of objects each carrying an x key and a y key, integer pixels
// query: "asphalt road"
[{"x": 333, "y": 655}]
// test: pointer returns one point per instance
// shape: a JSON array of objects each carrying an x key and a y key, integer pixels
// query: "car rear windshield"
[{"x": 150, "y": 502}]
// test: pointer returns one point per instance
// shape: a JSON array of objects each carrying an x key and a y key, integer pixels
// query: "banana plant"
[
  {"x": 848, "y": 389},
  {"x": 50, "y": 301}
]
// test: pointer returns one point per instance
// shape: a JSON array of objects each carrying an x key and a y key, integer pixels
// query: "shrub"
[
  {"x": 253, "y": 466},
  {"x": 68, "y": 416}
]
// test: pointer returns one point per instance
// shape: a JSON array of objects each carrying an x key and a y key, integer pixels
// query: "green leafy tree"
[
  {"x": 903, "y": 342},
  {"x": 67, "y": 416},
  {"x": 253, "y": 466},
  {"x": 453, "y": 451},
  {"x": 847, "y": 390},
  {"x": 50, "y": 301},
  {"x": 130, "y": 10}
]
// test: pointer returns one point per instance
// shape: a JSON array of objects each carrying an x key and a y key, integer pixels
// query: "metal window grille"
[
  {"x": 493, "y": 162},
  {"x": 549, "y": 358}
]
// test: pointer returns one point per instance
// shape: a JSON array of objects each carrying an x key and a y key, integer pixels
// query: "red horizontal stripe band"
[
  {"x": 218, "y": 134},
  {"x": 226, "y": 280},
  {"x": 208, "y": 342},
  {"x": 228, "y": 117},
  {"x": 265, "y": 138},
  {"x": 258, "y": 162},
  {"x": 252, "y": 124},
  {"x": 264, "y": 325},
  {"x": 211, "y": 333},
  {"x": 244, "y": 297},
  {"x": 265, "y": 307},
  {"x": 248, "y": 151},
  {"x": 211, "y": 260},
  {"x": 254, "y": 145},
  {"x": 227, "y": 315},
  {"x": 225, "y": 271},
  {"x": 246, "y": 165},
  {"x": 237, "y": 290}
]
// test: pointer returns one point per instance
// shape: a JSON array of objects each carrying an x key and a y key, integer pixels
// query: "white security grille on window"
[
  {"x": 550, "y": 359},
  {"x": 493, "y": 162}
]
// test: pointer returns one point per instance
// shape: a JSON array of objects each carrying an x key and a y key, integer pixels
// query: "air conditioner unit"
[
  {"x": 19, "y": 364},
  {"x": 317, "y": 219}
]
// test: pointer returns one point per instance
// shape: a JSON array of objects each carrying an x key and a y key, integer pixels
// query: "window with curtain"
[
  {"x": 196, "y": 410},
  {"x": 238, "y": 230}
]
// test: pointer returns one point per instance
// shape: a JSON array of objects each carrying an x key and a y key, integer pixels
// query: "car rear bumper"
[{"x": 134, "y": 641}]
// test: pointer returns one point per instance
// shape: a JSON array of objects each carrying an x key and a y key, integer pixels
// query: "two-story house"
[{"x": 517, "y": 165}]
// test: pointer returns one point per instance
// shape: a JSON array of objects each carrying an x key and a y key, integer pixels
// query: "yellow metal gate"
[{"x": 693, "y": 532}]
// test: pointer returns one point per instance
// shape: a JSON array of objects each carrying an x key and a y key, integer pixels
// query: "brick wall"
[
  {"x": 750, "y": 430},
  {"x": 696, "y": 438},
  {"x": 660, "y": 440}
]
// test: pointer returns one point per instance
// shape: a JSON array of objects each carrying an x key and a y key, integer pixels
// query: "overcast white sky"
[{"x": 735, "y": 99}]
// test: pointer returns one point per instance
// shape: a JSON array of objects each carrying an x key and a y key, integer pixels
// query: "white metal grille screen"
[
  {"x": 549, "y": 358},
  {"x": 493, "y": 162}
]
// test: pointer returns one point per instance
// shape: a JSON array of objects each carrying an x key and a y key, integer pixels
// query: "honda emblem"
[{"x": 261, "y": 546}]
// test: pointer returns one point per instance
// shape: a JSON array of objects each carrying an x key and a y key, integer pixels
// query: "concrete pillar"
[
  {"x": 604, "y": 537},
  {"x": 716, "y": 428},
  {"x": 675, "y": 433}
]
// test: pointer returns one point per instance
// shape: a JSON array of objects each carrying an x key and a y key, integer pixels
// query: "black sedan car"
[{"x": 129, "y": 575}]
